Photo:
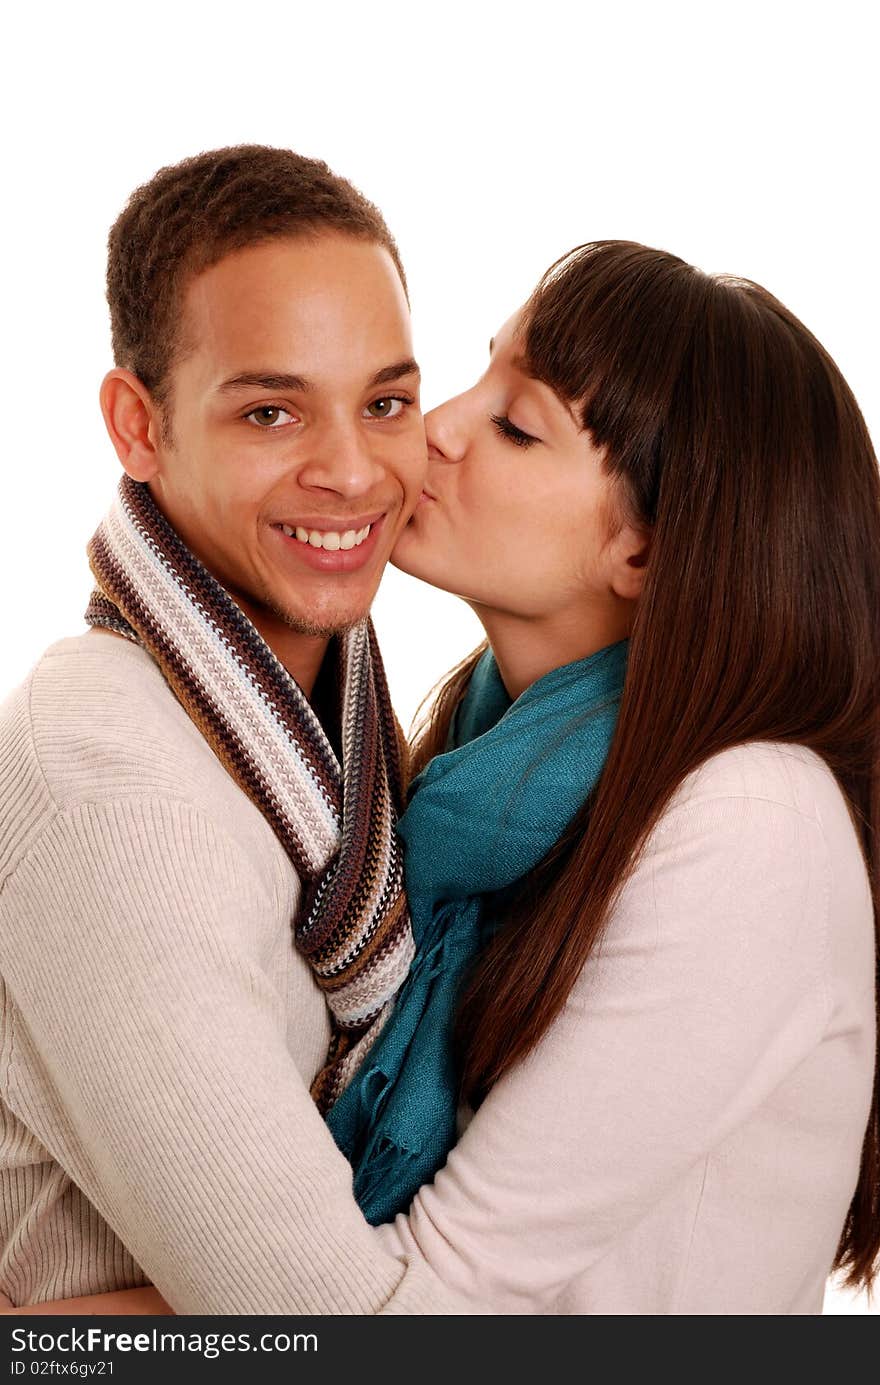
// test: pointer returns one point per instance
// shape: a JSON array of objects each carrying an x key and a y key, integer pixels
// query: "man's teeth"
[{"x": 331, "y": 540}]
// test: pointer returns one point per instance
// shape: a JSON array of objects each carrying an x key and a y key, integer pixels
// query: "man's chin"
[
  {"x": 322, "y": 623},
  {"x": 323, "y": 626},
  {"x": 320, "y": 619}
]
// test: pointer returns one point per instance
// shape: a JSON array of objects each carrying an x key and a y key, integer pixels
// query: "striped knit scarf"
[{"x": 336, "y": 822}]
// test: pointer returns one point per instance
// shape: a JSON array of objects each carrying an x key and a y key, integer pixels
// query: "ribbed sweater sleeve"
[{"x": 130, "y": 944}]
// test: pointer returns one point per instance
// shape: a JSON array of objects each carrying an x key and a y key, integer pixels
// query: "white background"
[{"x": 494, "y": 136}]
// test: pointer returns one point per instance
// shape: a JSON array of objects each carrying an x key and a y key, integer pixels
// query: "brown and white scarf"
[{"x": 336, "y": 822}]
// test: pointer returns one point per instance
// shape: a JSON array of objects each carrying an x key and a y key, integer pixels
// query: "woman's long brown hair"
[{"x": 739, "y": 446}]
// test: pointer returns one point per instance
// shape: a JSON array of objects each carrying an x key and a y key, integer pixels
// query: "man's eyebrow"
[
  {"x": 398, "y": 371},
  {"x": 298, "y": 384},
  {"x": 255, "y": 379}
]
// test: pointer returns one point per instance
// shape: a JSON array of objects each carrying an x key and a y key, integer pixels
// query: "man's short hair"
[{"x": 192, "y": 214}]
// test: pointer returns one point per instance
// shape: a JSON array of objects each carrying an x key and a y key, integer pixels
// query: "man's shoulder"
[
  {"x": 94, "y": 718},
  {"x": 94, "y": 735},
  {"x": 95, "y": 669}
]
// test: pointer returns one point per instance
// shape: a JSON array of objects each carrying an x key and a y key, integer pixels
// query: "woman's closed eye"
[{"x": 510, "y": 431}]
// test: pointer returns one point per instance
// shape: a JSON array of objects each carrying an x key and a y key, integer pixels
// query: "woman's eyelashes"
[
  {"x": 510, "y": 431},
  {"x": 272, "y": 416}
]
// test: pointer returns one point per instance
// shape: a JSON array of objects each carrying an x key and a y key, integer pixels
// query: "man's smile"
[
  {"x": 331, "y": 545},
  {"x": 331, "y": 539}
]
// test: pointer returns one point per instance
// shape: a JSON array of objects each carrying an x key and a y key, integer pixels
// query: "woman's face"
[{"x": 517, "y": 513}]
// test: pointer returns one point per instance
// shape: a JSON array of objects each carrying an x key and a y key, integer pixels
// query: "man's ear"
[
  {"x": 133, "y": 423},
  {"x": 630, "y": 548}
]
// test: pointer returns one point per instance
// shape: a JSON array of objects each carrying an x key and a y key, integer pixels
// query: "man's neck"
[
  {"x": 302, "y": 655},
  {"x": 302, "y": 660}
]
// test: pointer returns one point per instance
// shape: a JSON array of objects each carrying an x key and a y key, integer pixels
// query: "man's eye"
[
  {"x": 269, "y": 416},
  {"x": 389, "y": 407}
]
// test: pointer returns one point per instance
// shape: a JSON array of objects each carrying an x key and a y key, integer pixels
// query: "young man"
[{"x": 213, "y": 762}]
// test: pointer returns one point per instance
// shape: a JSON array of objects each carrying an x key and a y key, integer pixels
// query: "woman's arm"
[
  {"x": 708, "y": 991},
  {"x": 130, "y": 1302}
]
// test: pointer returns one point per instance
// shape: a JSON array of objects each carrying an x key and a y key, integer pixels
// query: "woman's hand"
[{"x": 130, "y": 1302}]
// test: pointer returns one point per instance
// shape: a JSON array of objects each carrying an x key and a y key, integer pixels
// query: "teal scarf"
[{"x": 481, "y": 816}]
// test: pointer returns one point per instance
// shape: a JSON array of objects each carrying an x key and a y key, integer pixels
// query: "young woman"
[{"x": 643, "y": 858}]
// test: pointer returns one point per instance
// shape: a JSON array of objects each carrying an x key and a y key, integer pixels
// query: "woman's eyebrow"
[{"x": 521, "y": 364}]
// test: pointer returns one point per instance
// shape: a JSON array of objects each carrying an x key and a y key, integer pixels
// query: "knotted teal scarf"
[{"x": 481, "y": 816}]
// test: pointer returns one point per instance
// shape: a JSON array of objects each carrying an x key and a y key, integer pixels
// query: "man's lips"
[
  {"x": 329, "y": 524},
  {"x": 328, "y": 560}
]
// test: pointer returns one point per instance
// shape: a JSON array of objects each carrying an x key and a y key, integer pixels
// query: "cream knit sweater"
[
  {"x": 684, "y": 1140},
  {"x": 159, "y": 1029}
]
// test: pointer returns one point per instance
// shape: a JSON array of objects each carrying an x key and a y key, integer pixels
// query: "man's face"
[{"x": 296, "y": 451}]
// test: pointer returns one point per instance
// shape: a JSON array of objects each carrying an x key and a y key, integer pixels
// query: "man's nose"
[{"x": 343, "y": 459}]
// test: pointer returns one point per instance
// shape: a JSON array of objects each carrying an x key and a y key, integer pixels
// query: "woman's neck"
[{"x": 525, "y": 649}]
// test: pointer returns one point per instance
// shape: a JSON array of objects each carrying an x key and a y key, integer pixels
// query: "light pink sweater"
[{"x": 685, "y": 1139}]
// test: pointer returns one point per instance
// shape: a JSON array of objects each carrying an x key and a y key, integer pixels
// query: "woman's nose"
[{"x": 447, "y": 430}]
